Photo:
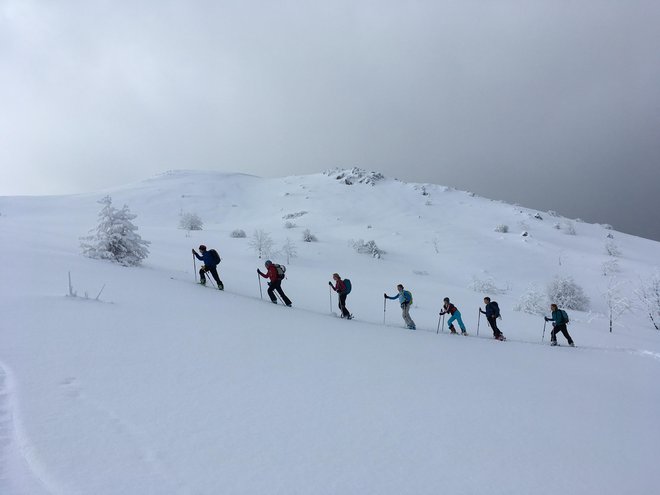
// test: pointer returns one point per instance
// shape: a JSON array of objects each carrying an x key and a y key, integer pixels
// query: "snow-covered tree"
[
  {"x": 307, "y": 236},
  {"x": 368, "y": 247},
  {"x": 289, "y": 249},
  {"x": 262, "y": 243},
  {"x": 190, "y": 221},
  {"x": 115, "y": 238},
  {"x": 532, "y": 301},
  {"x": 616, "y": 303},
  {"x": 564, "y": 292},
  {"x": 238, "y": 234},
  {"x": 649, "y": 295},
  {"x": 612, "y": 249},
  {"x": 487, "y": 286}
]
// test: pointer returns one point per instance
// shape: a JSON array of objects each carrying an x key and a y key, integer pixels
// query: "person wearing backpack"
[
  {"x": 275, "y": 273},
  {"x": 492, "y": 314},
  {"x": 211, "y": 258},
  {"x": 449, "y": 308},
  {"x": 559, "y": 320},
  {"x": 342, "y": 288},
  {"x": 405, "y": 299}
]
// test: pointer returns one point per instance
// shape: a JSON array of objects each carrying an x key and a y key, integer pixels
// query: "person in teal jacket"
[
  {"x": 405, "y": 300},
  {"x": 559, "y": 321}
]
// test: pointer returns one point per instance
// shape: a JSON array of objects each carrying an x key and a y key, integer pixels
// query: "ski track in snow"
[
  {"x": 16, "y": 474},
  {"x": 147, "y": 459}
]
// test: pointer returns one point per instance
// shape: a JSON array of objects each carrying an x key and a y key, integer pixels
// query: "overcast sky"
[{"x": 553, "y": 104}]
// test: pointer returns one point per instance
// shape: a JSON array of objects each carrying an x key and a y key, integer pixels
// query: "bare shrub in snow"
[
  {"x": 564, "y": 292},
  {"x": 291, "y": 216},
  {"x": 569, "y": 228},
  {"x": 610, "y": 267},
  {"x": 487, "y": 286},
  {"x": 238, "y": 234},
  {"x": 289, "y": 249},
  {"x": 503, "y": 228},
  {"x": 532, "y": 301},
  {"x": 115, "y": 238},
  {"x": 74, "y": 293},
  {"x": 556, "y": 226},
  {"x": 307, "y": 236},
  {"x": 649, "y": 295},
  {"x": 261, "y": 243},
  {"x": 289, "y": 225},
  {"x": 612, "y": 249},
  {"x": 538, "y": 216},
  {"x": 368, "y": 247},
  {"x": 607, "y": 226},
  {"x": 190, "y": 221}
]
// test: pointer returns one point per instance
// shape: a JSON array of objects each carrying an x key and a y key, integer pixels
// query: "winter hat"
[
  {"x": 446, "y": 299},
  {"x": 202, "y": 247},
  {"x": 268, "y": 263}
]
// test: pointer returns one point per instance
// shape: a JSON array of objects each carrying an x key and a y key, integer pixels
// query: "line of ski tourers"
[{"x": 275, "y": 273}]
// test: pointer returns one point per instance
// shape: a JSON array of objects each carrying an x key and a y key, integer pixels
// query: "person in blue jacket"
[
  {"x": 405, "y": 299},
  {"x": 211, "y": 260}
]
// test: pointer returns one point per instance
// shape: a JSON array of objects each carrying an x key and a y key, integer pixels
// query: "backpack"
[
  {"x": 215, "y": 256},
  {"x": 347, "y": 284},
  {"x": 281, "y": 269},
  {"x": 407, "y": 296},
  {"x": 564, "y": 316},
  {"x": 496, "y": 308}
]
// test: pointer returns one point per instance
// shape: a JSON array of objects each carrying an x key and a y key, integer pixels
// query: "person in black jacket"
[
  {"x": 492, "y": 314},
  {"x": 211, "y": 260}
]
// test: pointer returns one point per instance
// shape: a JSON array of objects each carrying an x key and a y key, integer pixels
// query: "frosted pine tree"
[{"x": 115, "y": 238}]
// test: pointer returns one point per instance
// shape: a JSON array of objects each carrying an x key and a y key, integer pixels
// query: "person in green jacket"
[{"x": 559, "y": 320}]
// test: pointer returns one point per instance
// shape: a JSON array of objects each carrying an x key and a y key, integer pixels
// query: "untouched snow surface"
[{"x": 166, "y": 387}]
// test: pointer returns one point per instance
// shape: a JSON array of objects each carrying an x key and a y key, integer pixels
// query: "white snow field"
[{"x": 162, "y": 386}]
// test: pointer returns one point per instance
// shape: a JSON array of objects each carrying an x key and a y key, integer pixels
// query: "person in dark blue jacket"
[
  {"x": 211, "y": 260},
  {"x": 492, "y": 314}
]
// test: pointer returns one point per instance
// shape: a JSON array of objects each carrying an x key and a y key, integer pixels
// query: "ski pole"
[
  {"x": 443, "y": 323},
  {"x": 330, "y": 289},
  {"x": 194, "y": 267},
  {"x": 384, "y": 306},
  {"x": 478, "y": 321},
  {"x": 261, "y": 295},
  {"x": 438, "y": 329},
  {"x": 213, "y": 282},
  {"x": 544, "y": 324}
]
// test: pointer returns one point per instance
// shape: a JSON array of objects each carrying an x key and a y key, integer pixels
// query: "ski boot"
[{"x": 452, "y": 329}]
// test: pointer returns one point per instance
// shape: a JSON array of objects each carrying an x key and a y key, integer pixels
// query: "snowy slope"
[{"x": 164, "y": 386}]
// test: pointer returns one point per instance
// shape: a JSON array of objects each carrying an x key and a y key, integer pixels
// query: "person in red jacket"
[
  {"x": 275, "y": 283},
  {"x": 341, "y": 289}
]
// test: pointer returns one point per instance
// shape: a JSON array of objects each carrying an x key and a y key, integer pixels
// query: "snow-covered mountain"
[{"x": 163, "y": 386}]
